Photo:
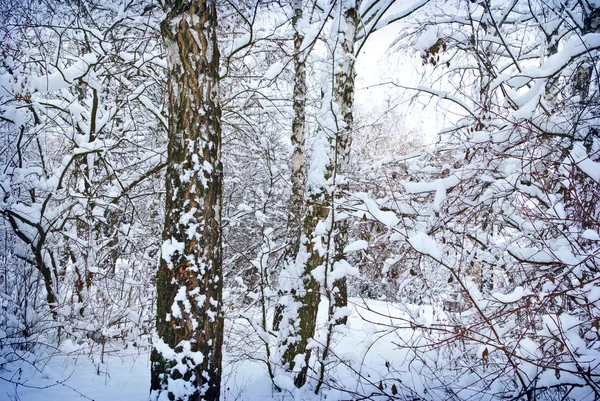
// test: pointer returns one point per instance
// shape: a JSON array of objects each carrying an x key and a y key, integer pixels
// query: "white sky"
[{"x": 377, "y": 64}]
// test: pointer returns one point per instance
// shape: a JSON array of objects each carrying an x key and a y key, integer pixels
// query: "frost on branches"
[
  {"x": 80, "y": 142},
  {"x": 509, "y": 201},
  {"x": 395, "y": 268}
]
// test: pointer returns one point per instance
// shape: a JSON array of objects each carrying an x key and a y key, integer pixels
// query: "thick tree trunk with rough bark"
[{"x": 186, "y": 359}]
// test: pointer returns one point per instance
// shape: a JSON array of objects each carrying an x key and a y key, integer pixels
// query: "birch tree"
[
  {"x": 186, "y": 358},
  {"x": 343, "y": 106},
  {"x": 321, "y": 241},
  {"x": 298, "y": 168},
  {"x": 298, "y": 172}
]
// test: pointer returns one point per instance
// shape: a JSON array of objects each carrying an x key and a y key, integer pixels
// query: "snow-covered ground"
[{"x": 368, "y": 349}]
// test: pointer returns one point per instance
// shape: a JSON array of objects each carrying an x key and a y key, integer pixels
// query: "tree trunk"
[
  {"x": 583, "y": 74},
  {"x": 332, "y": 147},
  {"x": 297, "y": 139},
  {"x": 304, "y": 257},
  {"x": 298, "y": 173},
  {"x": 344, "y": 98},
  {"x": 186, "y": 358},
  {"x": 305, "y": 295}
]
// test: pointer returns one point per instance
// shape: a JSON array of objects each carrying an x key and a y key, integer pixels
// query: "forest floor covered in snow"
[{"x": 369, "y": 360}]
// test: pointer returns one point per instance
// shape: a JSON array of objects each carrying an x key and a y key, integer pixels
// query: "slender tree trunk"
[
  {"x": 344, "y": 98},
  {"x": 298, "y": 173},
  {"x": 186, "y": 358},
  {"x": 484, "y": 58},
  {"x": 340, "y": 140},
  {"x": 299, "y": 100},
  {"x": 39, "y": 262},
  {"x": 583, "y": 75},
  {"x": 47, "y": 275},
  {"x": 304, "y": 291},
  {"x": 332, "y": 147}
]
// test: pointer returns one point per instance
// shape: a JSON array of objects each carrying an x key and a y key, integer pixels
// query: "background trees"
[
  {"x": 499, "y": 202},
  {"x": 82, "y": 145}
]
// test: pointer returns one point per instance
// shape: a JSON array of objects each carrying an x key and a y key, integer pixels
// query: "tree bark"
[
  {"x": 583, "y": 74},
  {"x": 344, "y": 98},
  {"x": 297, "y": 139},
  {"x": 306, "y": 295},
  {"x": 186, "y": 358},
  {"x": 314, "y": 252},
  {"x": 298, "y": 170}
]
